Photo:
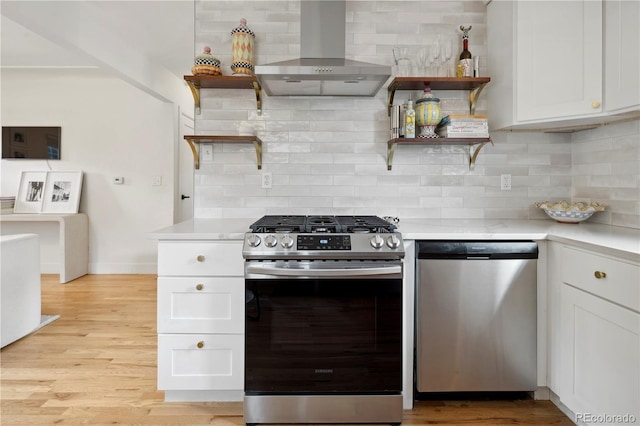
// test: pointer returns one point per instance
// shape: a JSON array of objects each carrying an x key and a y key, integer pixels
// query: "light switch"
[{"x": 206, "y": 152}]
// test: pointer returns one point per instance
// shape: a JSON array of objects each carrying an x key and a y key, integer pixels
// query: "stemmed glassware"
[
  {"x": 448, "y": 54},
  {"x": 422, "y": 58},
  {"x": 434, "y": 54}
]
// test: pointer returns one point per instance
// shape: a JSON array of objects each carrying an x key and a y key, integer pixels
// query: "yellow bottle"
[{"x": 410, "y": 121}]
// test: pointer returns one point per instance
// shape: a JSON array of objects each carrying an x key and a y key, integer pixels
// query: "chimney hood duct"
[{"x": 322, "y": 69}]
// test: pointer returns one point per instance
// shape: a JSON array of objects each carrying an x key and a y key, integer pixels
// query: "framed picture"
[
  {"x": 17, "y": 136},
  {"x": 30, "y": 192},
  {"x": 62, "y": 192}
]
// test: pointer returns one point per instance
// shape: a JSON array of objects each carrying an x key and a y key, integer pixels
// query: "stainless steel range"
[{"x": 323, "y": 320}]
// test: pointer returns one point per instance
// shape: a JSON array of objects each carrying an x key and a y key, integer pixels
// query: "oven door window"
[{"x": 323, "y": 336}]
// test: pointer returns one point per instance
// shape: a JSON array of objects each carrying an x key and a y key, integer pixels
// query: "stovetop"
[
  {"x": 323, "y": 224},
  {"x": 322, "y": 237}
]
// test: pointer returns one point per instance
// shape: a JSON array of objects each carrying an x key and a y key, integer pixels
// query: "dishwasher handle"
[{"x": 476, "y": 250}]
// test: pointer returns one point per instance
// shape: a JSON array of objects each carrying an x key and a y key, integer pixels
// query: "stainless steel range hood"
[{"x": 322, "y": 69}]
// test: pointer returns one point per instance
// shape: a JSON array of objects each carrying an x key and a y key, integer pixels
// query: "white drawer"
[
  {"x": 621, "y": 283},
  {"x": 200, "y": 362},
  {"x": 200, "y": 258},
  {"x": 201, "y": 305}
]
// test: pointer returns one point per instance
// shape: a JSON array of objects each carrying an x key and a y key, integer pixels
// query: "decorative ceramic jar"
[
  {"x": 428, "y": 115},
  {"x": 242, "y": 41},
  {"x": 206, "y": 64}
]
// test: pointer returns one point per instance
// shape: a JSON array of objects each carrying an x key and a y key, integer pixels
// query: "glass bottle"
[
  {"x": 466, "y": 63},
  {"x": 410, "y": 121}
]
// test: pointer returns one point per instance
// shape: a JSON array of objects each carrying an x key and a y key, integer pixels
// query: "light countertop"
[
  {"x": 613, "y": 240},
  {"x": 205, "y": 229}
]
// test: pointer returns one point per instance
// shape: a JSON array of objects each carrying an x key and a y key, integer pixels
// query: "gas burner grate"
[
  {"x": 322, "y": 224},
  {"x": 279, "y": 224},
  {"x": 358, "y": 224}
]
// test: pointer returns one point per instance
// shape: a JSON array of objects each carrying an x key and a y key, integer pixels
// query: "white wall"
[
  {"x": 328, "y": 155},
  {"x": 109, "y": 128},
  {"x": 606, "y": 168}
]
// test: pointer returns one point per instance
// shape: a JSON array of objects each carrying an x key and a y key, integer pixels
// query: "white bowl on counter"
[{"x": 566, "y": 212}]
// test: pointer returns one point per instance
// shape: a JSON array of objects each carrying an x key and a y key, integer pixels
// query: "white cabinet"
[
  {"x": 201, "y": 320},
  {"x": 558, "y": 59},
  {"x": 599, "y": 336},
  {"x": 554, "y": 285},
  {"x": 622, "y": 56},
  {"x": 545, "y": 59}
]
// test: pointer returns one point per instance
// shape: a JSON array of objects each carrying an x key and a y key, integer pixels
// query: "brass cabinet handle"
[
  {"x": 199, "y": 287},
  {"x": 200, "y": 258},
  {"x": 600, "y": 274},
  {"x": 200, "y": 344},
  {"x": 595, "y": 104}
]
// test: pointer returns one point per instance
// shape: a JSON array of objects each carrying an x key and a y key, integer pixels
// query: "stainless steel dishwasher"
[{"x": 476, "y": 316}]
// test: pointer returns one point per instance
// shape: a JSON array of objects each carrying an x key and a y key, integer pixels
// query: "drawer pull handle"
[
  {"x": 199, "y": 287},
  {"x": 200, "y": 344},
  {"x": 200, "y": 258},
  {"x": 600, "y": 274}
]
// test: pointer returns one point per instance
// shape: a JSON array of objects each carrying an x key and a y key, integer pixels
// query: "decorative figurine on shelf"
[
  {"x": 242, "y": 40},
  {"x": 466, "y": 64},
  {"x": 206, "y": 64},
  {"x": 428, "y": 114}
]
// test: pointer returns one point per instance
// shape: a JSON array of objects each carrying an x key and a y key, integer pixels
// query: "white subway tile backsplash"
[{"x": 328, "y": 155}]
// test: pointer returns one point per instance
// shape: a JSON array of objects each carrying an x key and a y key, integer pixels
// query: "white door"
[
  {"x": 559, "y": 59},
  {"x": 622, "y": 32},
  {"x": 184, "y": 195},
  {"x": 600, "y": 359}
]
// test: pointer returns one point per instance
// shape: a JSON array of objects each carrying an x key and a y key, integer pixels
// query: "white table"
[{"x": 73, "y": 240}]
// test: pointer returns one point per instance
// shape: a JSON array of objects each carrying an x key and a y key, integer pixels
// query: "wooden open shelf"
[
  {"x": 475, "y": 145},
  {"x": 197, "y": 82},
  {"x": 194, "y": 142},
  {"x": 473, "y": 84}
]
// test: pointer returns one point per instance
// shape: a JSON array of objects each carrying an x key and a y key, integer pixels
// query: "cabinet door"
[
  {"x": 201, "y": 305},
  {"x": 200, "y": 362},
  {"x": 600, "y": 358},
  {"x": 622, "y": 56},
  {"x": 558, "y": 59}
]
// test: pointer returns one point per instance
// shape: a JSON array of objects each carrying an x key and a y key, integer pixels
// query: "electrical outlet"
[
  {"x": 505, "y": 182},
  {"x": 206, "y": 152},
  {"x": 156, "y": 181},
  {"x": 267, "y": 182},
  {"x": 118, "y": 180}
]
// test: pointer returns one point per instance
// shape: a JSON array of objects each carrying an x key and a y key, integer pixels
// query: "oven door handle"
[{"x": 340, "y": 272}]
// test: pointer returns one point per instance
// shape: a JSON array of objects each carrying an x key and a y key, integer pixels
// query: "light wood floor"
[{"x": 97, "y": 365}]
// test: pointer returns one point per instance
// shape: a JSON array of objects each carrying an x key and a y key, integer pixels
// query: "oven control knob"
[
  {"x": 393, "y": 242},
  {"x": 254, "y": 240},
  {"x": 270, "y": 241},
  {"x": 377, "y": 241},
  {"x": 287, "y": 241}
]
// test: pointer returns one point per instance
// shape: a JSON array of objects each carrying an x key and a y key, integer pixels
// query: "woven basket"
[{"x": 205, "y": 70}]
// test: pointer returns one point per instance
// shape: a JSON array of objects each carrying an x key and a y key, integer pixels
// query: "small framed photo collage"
[{"x": 49, "y": 192}]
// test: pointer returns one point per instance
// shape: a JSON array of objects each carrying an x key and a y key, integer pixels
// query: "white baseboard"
[
  {"x": 123, "y": 268},
  {"x": 565, "y": 410}
]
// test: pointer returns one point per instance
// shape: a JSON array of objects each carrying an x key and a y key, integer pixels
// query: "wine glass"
[
  {"x": 422, "y": 58},
  {"x": 434, "y": 54},
  {"x": 448, "y": 54}
]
